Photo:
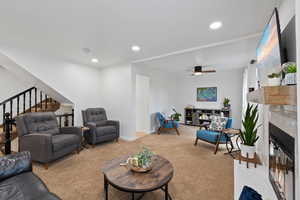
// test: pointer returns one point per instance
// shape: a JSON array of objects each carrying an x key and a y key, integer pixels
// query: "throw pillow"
[{"x": 218, "y": 123}]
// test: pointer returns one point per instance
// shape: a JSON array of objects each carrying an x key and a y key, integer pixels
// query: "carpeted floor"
[{"x": 199, "y": 174}]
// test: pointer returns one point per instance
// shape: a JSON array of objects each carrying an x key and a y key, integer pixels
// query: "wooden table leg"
[
  {"x": 132, "y": 197},
  {"x": 166, "y": 192},
  {"x": 105, "y": 188}
]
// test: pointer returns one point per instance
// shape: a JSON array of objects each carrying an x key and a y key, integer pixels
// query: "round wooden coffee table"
[{"x": 126, "y": 180}]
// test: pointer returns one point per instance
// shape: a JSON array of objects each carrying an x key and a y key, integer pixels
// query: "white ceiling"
[{"x": 109, "y": 28}]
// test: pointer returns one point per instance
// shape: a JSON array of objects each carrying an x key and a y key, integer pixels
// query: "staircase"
[{"x": 30, "y": 100}]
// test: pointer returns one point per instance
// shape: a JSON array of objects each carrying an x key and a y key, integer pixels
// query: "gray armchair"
[
  {"x": 101, "y": 129},
  {"x": 40, "y": 135}
]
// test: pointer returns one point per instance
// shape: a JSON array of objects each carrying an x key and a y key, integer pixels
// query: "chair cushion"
[
  {"x": 64, "y": 140},
  {"x": 171, "y": 124},
  {"x": 210, "y": 136},
  {"x": 43, "y": 122},
  {"x": 105, "y": 130},
  {"x": 96, "y": 115}
]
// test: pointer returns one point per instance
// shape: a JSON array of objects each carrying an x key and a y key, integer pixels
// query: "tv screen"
[{"x": 268, "y": 51}]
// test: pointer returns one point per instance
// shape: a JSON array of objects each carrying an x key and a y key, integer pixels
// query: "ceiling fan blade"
[{"x": 209, "y": 71}]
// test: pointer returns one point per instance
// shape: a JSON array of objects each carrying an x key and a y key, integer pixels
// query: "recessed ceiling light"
[
  {"x": 215, "y": 25},
  {"x": 135, "y": 48},
  {"x": 95, "y": 60}
]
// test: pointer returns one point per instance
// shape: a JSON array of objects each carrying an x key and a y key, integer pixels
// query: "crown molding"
[{"x": 197, "y": 48}]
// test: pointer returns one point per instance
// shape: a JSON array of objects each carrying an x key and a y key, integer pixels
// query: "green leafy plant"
[
  {"x": 176, "y": 116},
  {"x": 226, "y": 102},
  {"x": 274, "y": 75},
  {"x": 144, "y": 157},
  {"x": 249, "y": 134},
  {"x": 289, "y": 67}
]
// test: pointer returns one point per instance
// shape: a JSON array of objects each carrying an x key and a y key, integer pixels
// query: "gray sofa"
[
  {"x": 40, "y": 135},
  {"x": 18, "y": 182},
  {"x": 101, "y": 129}
]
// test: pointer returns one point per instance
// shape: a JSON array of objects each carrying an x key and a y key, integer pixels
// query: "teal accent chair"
[
  {"x": 214, "y": 137},
  {"x": 166, "y": 123}
]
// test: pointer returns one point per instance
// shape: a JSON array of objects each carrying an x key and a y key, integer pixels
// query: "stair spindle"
[
  {"x": 35, "y": 99},
  {"x": 3, "y": 107},
  {"x": 72, "y": 117},
  {"x": 46, "y": 97},
  {"x": 18, "y": 105},
  {"x": 41, "y": 100},
  {"x": 30, "y": 100},
  {"x": 24, "y": 100},
  {"x": 11, "y": 112},
  {"x": 59, "y": 121}
]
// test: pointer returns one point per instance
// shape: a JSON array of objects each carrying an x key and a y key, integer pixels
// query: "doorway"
[{"x": 142, "y": 105}]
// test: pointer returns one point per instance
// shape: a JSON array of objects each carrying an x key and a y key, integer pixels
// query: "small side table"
[
  {"x": 230, "y": 133},
  {"x": 84, "y": 144}
]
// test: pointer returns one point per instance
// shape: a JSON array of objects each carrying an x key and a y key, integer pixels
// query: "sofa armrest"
[
  {"x": 71, "y": 130},
  {"x": 15, "y": 164},
  {"x": 39, "y": 145}
]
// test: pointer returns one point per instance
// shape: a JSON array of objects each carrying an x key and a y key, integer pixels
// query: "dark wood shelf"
[{"x": 274, "y": 95}]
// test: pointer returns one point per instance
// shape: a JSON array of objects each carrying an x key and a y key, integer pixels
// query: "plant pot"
[
  {"x": 247, "y": 149},
  {"x": 290, "y": 79},
  {"x": 274, "y": 81}
]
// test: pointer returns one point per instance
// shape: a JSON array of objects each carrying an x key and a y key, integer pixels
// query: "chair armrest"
[
  {"x": 71, "y": 130},
  {"x": 39, "y": 145},
  {"x": 91, "y": 125},
  {"x": 114, "y": 123},
  {"x": 15, "y": 164}
]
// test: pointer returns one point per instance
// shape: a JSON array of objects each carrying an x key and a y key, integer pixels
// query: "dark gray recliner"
[
  {"x": 18, "y": 182},
  {"x": 101, "y": 129},
  {"x": 40, "y": 135}
]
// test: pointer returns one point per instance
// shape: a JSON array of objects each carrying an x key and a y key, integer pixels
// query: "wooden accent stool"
[{"x": 122, "y": 178}]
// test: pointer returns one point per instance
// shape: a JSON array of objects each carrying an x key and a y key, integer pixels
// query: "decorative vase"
[
  {"x": 274, "y": 81},
  {"x": 290, "y": 79},
  {"x": 247, "y": 149}
]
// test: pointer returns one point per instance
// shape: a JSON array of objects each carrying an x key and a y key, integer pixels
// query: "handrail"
[{"x": 16, "y": 96}]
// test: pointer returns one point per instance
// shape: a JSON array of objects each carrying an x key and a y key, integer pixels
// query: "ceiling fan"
[{"x": 198, "y": 70}]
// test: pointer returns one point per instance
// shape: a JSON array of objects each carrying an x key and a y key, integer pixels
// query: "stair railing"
[{"x": 28, "y": 98}]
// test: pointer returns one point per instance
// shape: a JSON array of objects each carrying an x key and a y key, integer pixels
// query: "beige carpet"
[{"x": 199, "y": 174}]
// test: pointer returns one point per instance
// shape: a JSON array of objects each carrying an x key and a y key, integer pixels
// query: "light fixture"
[
  {"x": 95, "y": 60},
  {"x": 135, "y": 48},
  {"x": 215, "y": 25}
]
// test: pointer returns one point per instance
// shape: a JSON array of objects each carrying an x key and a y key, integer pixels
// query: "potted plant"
[
  {"x": 274, "y": 79},
  {"x": 226, "y": 103},
  {"x": 290, "y": 70},
  {"x": 142, "y": 161},
  {"x": 176, "y": 116},
  {"x": 249, "y": 134}
]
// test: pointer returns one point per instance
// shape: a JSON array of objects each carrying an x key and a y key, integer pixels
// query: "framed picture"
[{"x": 207, "y": 94}]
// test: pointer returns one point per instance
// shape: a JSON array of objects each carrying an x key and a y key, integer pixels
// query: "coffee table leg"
[
  {"x": 166, "y": 192},
  {"x": 132, "y": 197},
  {"x": 105, "y": 188}
]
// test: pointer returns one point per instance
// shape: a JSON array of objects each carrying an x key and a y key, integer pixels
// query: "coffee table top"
[{"x": 123, "y": 178}]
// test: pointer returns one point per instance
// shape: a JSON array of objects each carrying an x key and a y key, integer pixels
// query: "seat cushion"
[
  {"x": 210, "y": 136},
  {"x": 171, "y": 124},
  {"x": 105, "y": 130},
  {"x": 26, "y": 186},
  {"x": 64, "y": 140}
]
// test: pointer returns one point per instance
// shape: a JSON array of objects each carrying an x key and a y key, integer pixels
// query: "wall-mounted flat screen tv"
[{"x": 269, "y": 50}]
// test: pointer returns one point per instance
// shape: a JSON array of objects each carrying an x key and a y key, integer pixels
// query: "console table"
[{"x": 194, "y": 116}]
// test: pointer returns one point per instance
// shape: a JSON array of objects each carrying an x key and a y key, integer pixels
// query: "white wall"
[
  {"x": 76, "y": 82},
  {"x": 116, "y": 94},
  {"x": 10, "y": 85},
  {"x": 162, "y": 92},
  {"x": 142, "y": 96},
  {"x": 229, "y": 84}
]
